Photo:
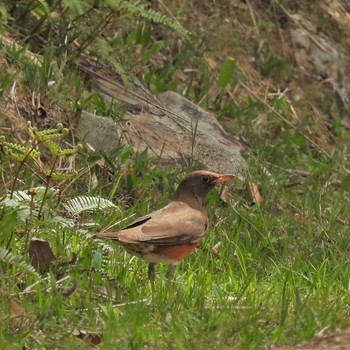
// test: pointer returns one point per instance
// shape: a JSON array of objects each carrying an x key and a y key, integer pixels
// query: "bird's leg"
[
  {"x": 170, "y": 273},
  {"x": 151, "y": 276}
]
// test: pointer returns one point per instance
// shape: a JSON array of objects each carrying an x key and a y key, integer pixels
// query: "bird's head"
[{"x": 198, "y": 183}]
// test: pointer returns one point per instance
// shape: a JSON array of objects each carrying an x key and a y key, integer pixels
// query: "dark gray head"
[{"x": 198, "y": 183}]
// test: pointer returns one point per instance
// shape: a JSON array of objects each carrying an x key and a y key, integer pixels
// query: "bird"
[{"x": 169, "y": 234}]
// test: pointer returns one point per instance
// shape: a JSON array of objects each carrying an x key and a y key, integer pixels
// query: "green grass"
[{"x": 280, "y": 272}]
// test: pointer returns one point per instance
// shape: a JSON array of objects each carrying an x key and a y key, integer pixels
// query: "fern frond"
[
  {"x": 120, "y": 70},
  {"x": 7, "y": 257},
  {"x": 48, "y": 134},
  {"x": 15, "y": 156},
  {"x": 51, "y": 194},
  {"x": 14, "y": 146},
  {"x": 103, "y": 244},
  {"x": 65, "y": 176},
  {"x": 19, "y": 152},
  {"x": 87, "y": 203},
  {"x": 153, "y": 15},
  {"x": 103, "y": 50},
  {"x": 54, "y": 149},
  {"x": 59, "y": 221},
  {"x": 68, "y": 151},
  {"x": 11, "y": 217},
  {"x": 52, "y": 136},
  {"x": 22, "y": 201},
  {"x": 19, "y": 205}
]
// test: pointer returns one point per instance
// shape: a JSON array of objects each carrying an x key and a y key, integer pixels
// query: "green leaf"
[
  {"x": 155, "y": 48},
  {"x": 9, "y": 221},
  {"x": 96, "y": 260},
  {"x": 226, "y": 72},
  {"x": 345, "y": 184}
]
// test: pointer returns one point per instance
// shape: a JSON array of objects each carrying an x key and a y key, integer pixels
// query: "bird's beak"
[{"x": 224, "y": 178}]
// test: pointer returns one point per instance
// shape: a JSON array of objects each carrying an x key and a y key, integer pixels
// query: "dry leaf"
[
  {"x": 224, "y": 194},
  {"x": 69, "y": 290},
  {"x": 71, "y": 261},
  {"x": 40, "y": 254},
  {"x": 94, "y": 181},
  {"x": 254, "y": 193},
  {"x": 214, "y": 249},
  {"x": 16, "y": 310},
  {"x": 95, "y": 338}
]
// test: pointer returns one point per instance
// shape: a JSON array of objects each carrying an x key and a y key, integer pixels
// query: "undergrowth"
[{"x": 277, "y": 273}]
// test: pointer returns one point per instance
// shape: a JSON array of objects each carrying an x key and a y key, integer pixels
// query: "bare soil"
[{"x": 338, "y": 340}]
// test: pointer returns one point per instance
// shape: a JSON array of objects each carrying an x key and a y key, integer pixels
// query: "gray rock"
[{"x": 99, "y": 132}]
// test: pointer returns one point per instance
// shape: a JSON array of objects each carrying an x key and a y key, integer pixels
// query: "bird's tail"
[{"x": 108, "y": 235}]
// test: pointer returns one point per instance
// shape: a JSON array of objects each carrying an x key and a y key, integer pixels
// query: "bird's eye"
[{"x": 205, "y": 179}]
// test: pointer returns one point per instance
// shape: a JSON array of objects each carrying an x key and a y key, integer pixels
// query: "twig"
[
  {"x": 253, "y": 16},
  {"x": 28, "y": 290},
  {"x": 48, "y": 289},
  {"x": 132, "y": 302}
]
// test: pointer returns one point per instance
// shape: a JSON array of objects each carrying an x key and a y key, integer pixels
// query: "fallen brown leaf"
[
  {"x": 214, "y": 249},
  {"x": 95, "y": 338},
  {"x": 224, "y": 194},
  {"x": 16, "y": 310},
  {"x": 40, "y": 254},
  {"x": 69, "y": 290},
  {"x": 254, "y": 193}
]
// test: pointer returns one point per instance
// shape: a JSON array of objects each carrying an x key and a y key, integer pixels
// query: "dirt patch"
[{"x": 338, "y": 340}]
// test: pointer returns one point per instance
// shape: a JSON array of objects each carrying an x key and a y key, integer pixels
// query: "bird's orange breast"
[
  {"x": 175, "y": 252},
  {"x": 167, "y": 254}
]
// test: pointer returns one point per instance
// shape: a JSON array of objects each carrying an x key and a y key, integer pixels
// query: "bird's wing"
[
  {"x": 177, "y": 223},
  {"x": 115, "y": 235}
]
